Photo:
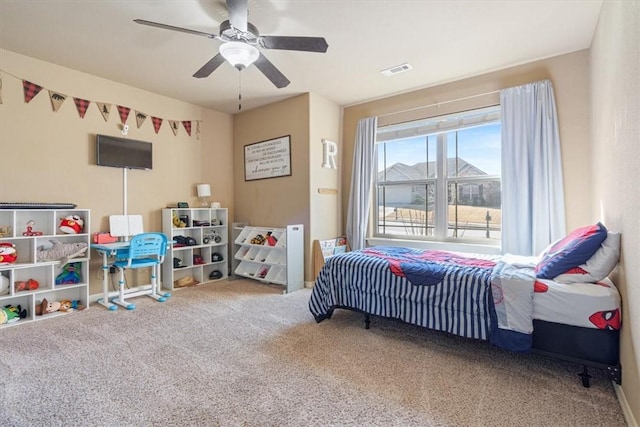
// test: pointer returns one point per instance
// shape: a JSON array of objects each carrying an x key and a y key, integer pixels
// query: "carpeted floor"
[{"x": 238, "y": 353}]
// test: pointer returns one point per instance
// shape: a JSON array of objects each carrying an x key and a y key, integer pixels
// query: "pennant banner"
[
  {"x": 187, "y": 126},
  {"x": 81, "y": 105},
  {"x": 124, "y": 113},
  {"x": 30, "y": 90},
  {"x": 140, "y": 118},
  {"x": 157, "y": 122},
  {"x": 56, "y": 100},
  {"x": 105, "y": 109},
  {"x": 174, "y": 126}
]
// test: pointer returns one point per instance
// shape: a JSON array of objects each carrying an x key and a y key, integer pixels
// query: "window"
[{"x": 439, "y": 178}]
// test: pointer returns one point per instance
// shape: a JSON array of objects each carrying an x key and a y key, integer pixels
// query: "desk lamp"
[{"x": 204, "y": 192}]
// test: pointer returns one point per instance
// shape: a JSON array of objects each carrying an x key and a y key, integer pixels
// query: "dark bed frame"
[{"x": 595, "y": 348}]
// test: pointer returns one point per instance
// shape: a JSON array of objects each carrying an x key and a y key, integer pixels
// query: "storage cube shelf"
[
  {"x": 43, "y": 232},
  {"x": 270, "y": 255},
  {"x": 209, "y": 230}
]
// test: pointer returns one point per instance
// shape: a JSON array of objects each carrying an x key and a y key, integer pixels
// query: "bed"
[{"x": 513, "y": 302}]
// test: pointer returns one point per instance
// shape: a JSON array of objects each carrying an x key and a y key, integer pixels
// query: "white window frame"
[{"x": 441, "y": 127}]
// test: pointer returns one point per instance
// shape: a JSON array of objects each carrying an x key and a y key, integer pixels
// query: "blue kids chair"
[{"x": 145, "y": 250}]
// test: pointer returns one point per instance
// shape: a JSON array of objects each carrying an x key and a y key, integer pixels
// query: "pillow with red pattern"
[
  {"x": 598, "y": 266},
  {"x": 571, "y": 251}
]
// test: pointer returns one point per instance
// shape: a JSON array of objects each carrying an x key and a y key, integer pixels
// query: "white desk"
[{"x": 113, "y": 250}]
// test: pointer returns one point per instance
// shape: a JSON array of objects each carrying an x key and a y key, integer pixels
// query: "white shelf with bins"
[
  {"x": 13, "y": 223},
  {"x": 208, "y": 227},
  {"x": 278, "y": 261}
]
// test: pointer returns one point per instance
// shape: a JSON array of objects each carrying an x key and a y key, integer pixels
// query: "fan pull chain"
[{"x": 239, "y": 90}]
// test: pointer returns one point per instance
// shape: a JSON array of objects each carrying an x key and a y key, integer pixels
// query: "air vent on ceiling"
[{"x": 397, "y": 69}]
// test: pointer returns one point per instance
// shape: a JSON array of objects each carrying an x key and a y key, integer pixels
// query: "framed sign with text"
[{"x": 268, "y": 159}]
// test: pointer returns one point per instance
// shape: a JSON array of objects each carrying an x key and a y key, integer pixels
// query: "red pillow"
[{"x": 573, "y": 250}]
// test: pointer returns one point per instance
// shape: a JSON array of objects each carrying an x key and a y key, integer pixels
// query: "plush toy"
[
  {"x": 47, "y": 307},
  {"x": 72, "y": 224},
  {"x": 67, "y": 305},
  {"x": 8, "y": 253},
  {"x": 29, "y": 285},
  {"x": 11, "y": 314},
  {"x": 177, "y": 222},
  {"x": 61, "y": 251},
  {"x": 70, "y": 274}
]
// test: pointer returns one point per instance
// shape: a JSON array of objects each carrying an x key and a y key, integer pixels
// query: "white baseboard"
[{"x": 626, "y": 410}]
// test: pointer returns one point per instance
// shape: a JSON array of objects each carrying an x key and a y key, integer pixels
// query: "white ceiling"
[{"x": 444, "y": 40}]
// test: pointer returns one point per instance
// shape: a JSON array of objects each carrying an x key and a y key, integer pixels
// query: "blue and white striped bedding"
[{"x": 382, "y": 281}]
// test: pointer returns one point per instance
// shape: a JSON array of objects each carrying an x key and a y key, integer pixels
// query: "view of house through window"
[{"x": 439, "y": 178}]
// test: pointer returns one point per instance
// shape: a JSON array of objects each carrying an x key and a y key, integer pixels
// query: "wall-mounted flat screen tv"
[{"x": 123, "y": 153}]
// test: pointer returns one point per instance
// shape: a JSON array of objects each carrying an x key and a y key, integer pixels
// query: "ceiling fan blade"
[
  {"x": 306, "y": 44},
  {"x": 209, "y": 67},
  {"x": 271, "y": 72},
  {"x": 171, "y": 27},
  {"x": 238, "y": 14}
]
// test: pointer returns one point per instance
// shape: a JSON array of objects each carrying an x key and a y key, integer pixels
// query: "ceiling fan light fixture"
[{"x": 239, "y": 54}]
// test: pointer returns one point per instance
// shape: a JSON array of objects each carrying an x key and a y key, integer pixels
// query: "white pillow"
[{"x": 598, "y": 266}]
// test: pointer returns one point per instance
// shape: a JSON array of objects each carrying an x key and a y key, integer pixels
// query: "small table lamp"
[{"x": 204, "y": 192}]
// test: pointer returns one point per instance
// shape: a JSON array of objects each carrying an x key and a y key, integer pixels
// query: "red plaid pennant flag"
[
  {"x": 157, "y": 122},
  {"x": 124, "y": 113},
  {"x": 187, "y": 126},
  {"x": 81, "y": 105},
  {"x": 30, "y": 90}
]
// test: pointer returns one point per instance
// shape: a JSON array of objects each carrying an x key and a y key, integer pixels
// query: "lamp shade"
[
  {"x": 204, "y": 190},
  {"x": 239, "y": 54}
]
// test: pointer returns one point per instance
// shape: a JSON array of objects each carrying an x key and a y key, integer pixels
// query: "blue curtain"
[
  {"x": 362, "y": 175},
  {"x": 533, "y": 210}
]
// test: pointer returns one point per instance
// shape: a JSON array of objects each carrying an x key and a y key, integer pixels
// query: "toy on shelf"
[
  {"x": 177, "y": 222},
  {"x": 8, "y": 253},
  {"x": 68, "y": 305},
  {"x": 5, "y": 231},
  {"x": 72, "y": 224},
  {"x": 29, "y": 285},
  {"x": 70, "y": 274},
  {"x": 61, "y": 251},
  {"x": 258, "y": 240},
  {"x": 30, "y": 231},
  {"x": 12, "y": 313}
]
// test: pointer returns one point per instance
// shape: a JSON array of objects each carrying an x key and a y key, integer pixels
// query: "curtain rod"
[{"x": 437, "y": 104}]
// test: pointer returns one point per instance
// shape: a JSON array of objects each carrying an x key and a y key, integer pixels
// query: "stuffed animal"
[
  {"x": 177, "y": 222},
  {"x": 29, "y": 285},
  {"x": 11, "y": 314},
  {"x": 72, "y": 224},
  {"x": 61, "y": 251},
  {"x": 47, "y": 307},
  {"x": 70, "y": 274},
  {"x": 67, "y": 305},
  {"x": 8, "y": 253}
]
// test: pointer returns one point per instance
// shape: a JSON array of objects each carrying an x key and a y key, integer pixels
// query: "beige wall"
[
  {"x": 277, "y": 202},
  {"x": 325, "y": 207},
  {"x": 615, "y": 106},
  {"x": 570, "y": 77},
  {"x": 50, "y": 157}
]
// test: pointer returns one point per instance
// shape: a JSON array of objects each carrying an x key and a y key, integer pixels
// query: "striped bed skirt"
[{"x": 460, "y": 304}]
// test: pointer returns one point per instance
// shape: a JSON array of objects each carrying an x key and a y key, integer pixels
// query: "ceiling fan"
[{"x": 240, "y": 42}]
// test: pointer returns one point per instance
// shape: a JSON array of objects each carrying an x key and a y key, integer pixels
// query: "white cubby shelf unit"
[
  {"x": 208, "y": 227},
  {"x": 13, "y": 223},
  {"x": 279, "y": 261}
]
